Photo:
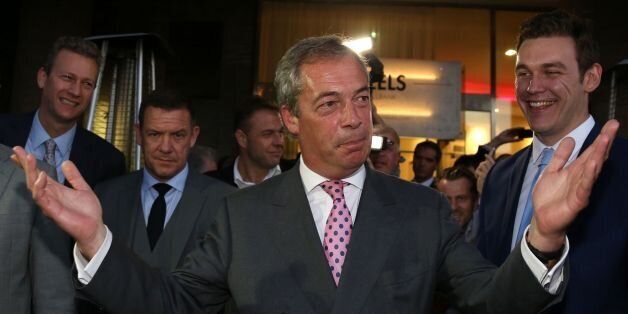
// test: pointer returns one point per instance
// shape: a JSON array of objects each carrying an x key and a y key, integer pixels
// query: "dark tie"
[
  {"x": 157, "y": 215},
  {"x": 338, "y": 228}
]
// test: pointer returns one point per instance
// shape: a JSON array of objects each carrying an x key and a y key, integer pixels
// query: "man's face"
[
  {"x": 424, "y": 163},
  {"x": 166, "y": 137},
  {"x": 460, "y": 197},
  {"x": 334, "y": 123},
  {"x": 68, "y": 88},
  {"x": 386, "y": 160},
  {"x": 550, "y": 91},
  {"x": 263, "y": 142}
]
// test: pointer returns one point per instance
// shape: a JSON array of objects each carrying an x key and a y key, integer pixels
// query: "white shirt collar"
[
  {"x": 579, "y": 135},
  {"x": 312, "y": 179},
  {"x": 241, "y": 183}
]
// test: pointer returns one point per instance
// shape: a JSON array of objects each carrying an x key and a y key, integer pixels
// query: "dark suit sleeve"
[
  {"x": 475, "y": 286},
  {"x": 125, "y": 284}
]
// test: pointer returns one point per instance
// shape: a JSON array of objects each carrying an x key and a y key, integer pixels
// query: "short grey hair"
[{"x": 288, "y": 80}]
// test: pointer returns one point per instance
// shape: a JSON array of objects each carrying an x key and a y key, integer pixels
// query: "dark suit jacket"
[
  {"x": 96, "y": 159},
  {"x": 122, "y": 213},
  {"x": 35, "y": 258},
  {"x": 264, "y": 251},
  {"x": 598, "y": 237},
  {"x": 225, "y": 174}
]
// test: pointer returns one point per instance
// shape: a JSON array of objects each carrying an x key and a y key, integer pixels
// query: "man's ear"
[
  {"x": 290, "y": 121},
  {"x": 41, "y": 77},
  {"x": 138, "y": 134},
  {"x": 196, "y": 130},
  {"x": 241, "y": 138},
  {"x": 592, "y": 78}
]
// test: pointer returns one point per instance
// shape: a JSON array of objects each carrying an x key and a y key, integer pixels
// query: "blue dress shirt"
[
  {"x": 35, "y": 144},
  {"x": 172, "y": 197}
]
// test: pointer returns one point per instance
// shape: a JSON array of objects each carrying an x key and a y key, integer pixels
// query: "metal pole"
[
  {"x": 94, "y": 101},
  {"x": 152, "y": 71},
  {"x": 138, "y": 93},
  {"x": 112, "y": 104},
  {"x": 613, "y": 101}
]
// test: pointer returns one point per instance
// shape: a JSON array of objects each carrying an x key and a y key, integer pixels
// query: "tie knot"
[
  {"x": 162, "y": 188},
  {"x": 546, "y": 156},
  {"x": 334, "y": 188},
  {"x": 50, "y": 145}
]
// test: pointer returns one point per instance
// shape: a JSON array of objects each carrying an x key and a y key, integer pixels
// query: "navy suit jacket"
[
  {"x": 598, "y": 275},
  {"x": 96, "y": 159}
]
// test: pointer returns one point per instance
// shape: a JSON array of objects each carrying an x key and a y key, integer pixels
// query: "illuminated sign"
[{"x": 420, "y": 98}]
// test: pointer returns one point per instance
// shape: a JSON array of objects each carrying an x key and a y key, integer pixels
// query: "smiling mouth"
[
  {"x": 69, "y": 102},
  {"x": 538, "y": 105}
]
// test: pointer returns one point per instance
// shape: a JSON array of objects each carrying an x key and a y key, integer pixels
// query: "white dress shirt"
[
  {"x": 241, "y": 183},
  {"x": 579, "y": 134},
  {"x": 550, "y": 280}
]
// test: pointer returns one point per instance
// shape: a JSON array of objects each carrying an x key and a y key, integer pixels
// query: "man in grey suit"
[
  {"x": 162, "y": 236},
  {"x": 35, "y": 274},
  {"x": 377, "y": 245}
]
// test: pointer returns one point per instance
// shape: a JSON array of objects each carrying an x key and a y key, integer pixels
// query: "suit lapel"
[
  {"x": 294, "y": 233},
  {"x": 81, "y": 148},
  {"x": 376, "y": 226},
  {"x": 180, "y": 225},
  {"x": 131, "y": 208},
  {"x": 513, "y": 192},
  {"x": 6, "y": 170}
]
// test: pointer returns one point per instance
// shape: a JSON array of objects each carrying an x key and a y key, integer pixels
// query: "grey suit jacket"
[
  {"x": 35, "y": 255},
  {"x": 122, "y": 213},
  {"x": 264, "y": 251}
]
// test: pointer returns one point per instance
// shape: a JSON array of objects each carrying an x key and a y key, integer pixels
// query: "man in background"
[
  {"x": 53, "y": 132},
  {"x": 259, "y": 137},
  {"x": 426, "y": 158},
  {"x": 386, "y": 159}
]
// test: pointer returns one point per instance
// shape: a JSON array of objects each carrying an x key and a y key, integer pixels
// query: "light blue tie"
[{"x": 546, "y": 156}]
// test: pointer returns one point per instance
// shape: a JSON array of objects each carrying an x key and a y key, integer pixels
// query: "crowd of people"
[{"x": 335, "y": 230}]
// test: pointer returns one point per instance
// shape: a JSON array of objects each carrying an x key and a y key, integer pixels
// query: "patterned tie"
[
  {"x": 337, "y": 229},
  {"x": 157, "y": 215},
  {"x": 546, "y": 156},
  {"x": 49, "y": 154}
]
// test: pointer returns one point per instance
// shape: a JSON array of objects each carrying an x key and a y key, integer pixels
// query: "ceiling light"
[
  {"x": 359, "y": 45},
  {"x": 510, "y": 52}
]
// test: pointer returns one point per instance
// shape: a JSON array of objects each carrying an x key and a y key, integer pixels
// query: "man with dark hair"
[
  {"x": 556, "y": 70},
  {"x": 52, "y": 133},
  {"x": 330, "y": 235},
  {"x": 259, "y": 136},
  {"x": 427, "y": 155},
  {"x": 458, "y": 184},
  {"x": 161, "y": 211}
]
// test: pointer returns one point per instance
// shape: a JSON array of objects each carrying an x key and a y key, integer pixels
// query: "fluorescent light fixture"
[
  {"x": 510, "y": 52},
  {"x": 360, "y": 45},
  {"x": 404, "y": 112}
]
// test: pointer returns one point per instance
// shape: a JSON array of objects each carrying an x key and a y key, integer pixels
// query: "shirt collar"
[
  {"x": 312, "y": 179},
  {"x": 39, "y": 135},
  {"x": 579, "y": 135},
  {"x": 177, "y": 182},
  {"x": 237, "y": 177}
]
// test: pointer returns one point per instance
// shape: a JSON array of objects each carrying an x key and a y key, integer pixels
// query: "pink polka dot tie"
[{"x": 337, "y": 229}]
